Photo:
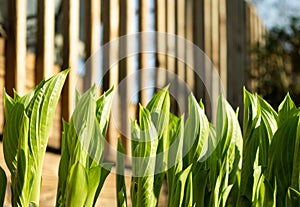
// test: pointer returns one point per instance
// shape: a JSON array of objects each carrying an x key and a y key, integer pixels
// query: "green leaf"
[
  {"x": 82, "y": 151},
  {"x": 121, "y": 187},
  {"x": 78, "y": 188},
  {"x": 145, "y": 195},
  {"x": 105, "y": 170},
  {"x": 3, "y": 181},
  {"x": 39, "y": 106},
  {"x": 188, "y": 191},
  {"x": 293, "y": 198},
  {"x": 177, "y": 195},
  {"x": 251, "y": 142},
  {"x": 225, "y": 161},
  {"x": 159, "y": 108},
  {"x": 200, "y": 179},
  {"x": 196, "y": 132},
  {"x": 176, "y": 130},
  {"x": 23, "y": 176},
  {"x": 11, "y": 136},
  {"x": 64, "y": 161},
  {"x": 286, "y": 109},
  {"x": 283, "y": 165},
  {"x": 267, "y": 128}
]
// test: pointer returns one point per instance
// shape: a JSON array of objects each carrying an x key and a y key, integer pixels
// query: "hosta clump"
[
  {"x": 270, "y": 172},
  {"x": 208, "y": 171},
  {"x": 26, "y": 132},
  {"x": 81, "y": 170},
  {"x": 149, "y": 138}
]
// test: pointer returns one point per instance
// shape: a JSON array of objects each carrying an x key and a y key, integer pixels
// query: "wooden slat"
[
  {"x": 105, "y": 17},
  {"x": 215, "y": 56},
  {"x": 131, "y": 63},
  {"x": 113, "y": 73},
  {"x": 248, "y": 42},
  {"x": 181, "y": 54},
  {"x": 208, "y": 51},
  {"x": 161, "y": 27},
  {"x": 45, "y": 40},
  {"x": 15, "y": 52},
  {"x": 44, "y": 59},
  {"x": 70, "y": 53},
  {"x": 92, "y": 43},
  {"x": 189, "y": 35},
  {"x": 198, "y": 40},
  {"x": 223, "y": 46},
  {"x": 171, "y": 47},
  {"x": 123, "y": 91},
  {"x": 114, "y": 34},
  {"x": 236, "y": 48},
  {"x": 144, "y": 26}
]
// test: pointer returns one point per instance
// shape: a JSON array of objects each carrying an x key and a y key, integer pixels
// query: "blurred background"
[
  {"x": 277, "y": 63},
  {"x": 254, "y": 43}
]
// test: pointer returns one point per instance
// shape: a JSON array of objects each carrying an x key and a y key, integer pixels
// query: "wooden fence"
[{"x": 224, "y": 30}]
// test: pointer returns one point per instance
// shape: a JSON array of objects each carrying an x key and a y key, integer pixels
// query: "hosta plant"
[
  {"x": 26, "y": 132},
  {"x": 149, "y": 138},
  {"x": 82, "y": 171}
]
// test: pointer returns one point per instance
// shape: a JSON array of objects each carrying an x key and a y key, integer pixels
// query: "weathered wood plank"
[
  {"x": 189, "y": 35},
  {"x": 92, "y": 42},
  {"x": 113, "y": 130},
  {"x": 215, "y": 55},
  {"x": 70, "y": 53},
  {"x": 124, "y": 128},
  {"x": 145, "y": 25},
  {"x": 171, "y": 48},
  {"x": 180, "y": 54},
  {"x": 45, "y": 40},
  {"x": 131, "y": 65},
  {"x": 236, "y": 52},
  {"x": 198, "y": 40},
  {"x": 15, "y": 47},
  {"x": 161, "y": 27},
  {"x": 208, "y": 51},
  {"x": 223, "y": 45}
]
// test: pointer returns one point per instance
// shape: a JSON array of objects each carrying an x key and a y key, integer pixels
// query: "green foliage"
[
  {"x": 204, "y": 164},
  {"x": 149, "y": 138},
  {"x": 26, "y": 132},
  {"x": 81, "y": 171},
  {"x": 3, "y": 181},
  {"x": 120, "y": 180},
  {"x": 221, "y": 166}
]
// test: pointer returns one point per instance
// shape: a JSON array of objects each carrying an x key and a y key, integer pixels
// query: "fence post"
[
  {"x": 223, "y": 45},
  {"x": 208, "y": 51},
  {"x": 123, "y": 90},
  {"x": 70, "y": 53},
  {"x": 45, "y": 40},
  {"x": 92, "y": 43},
  {"x": 131, "y": 63},
  {"x": 145, "y": 25},
  {"x": 15, "y": 47},
  {"x": 189, "y": 52},
  {"x": 171, "y": 46},
  {"x": 161, "y": 44},
  {"x": 180, "y": 53},
  {"x": 198, "y": 40}
]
